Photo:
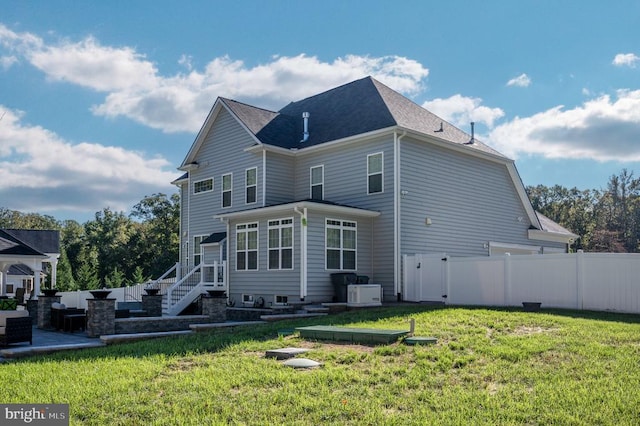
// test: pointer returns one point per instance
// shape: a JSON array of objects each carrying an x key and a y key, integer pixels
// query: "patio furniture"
[
  {"x": 19, "y": 295},
  {"x": 59, "y": 311},
  {"x": 74, "y": 322},
  {"x": 15, "y": 327}
]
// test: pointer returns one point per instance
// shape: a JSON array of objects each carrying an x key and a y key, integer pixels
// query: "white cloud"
[
  {"x": 522, "y": 80},
  {"x": 40, "y": 171},
  {"x": 461, "y": 110},
  {"x": 7, "y": 61},
  {"x": 135, "y": 88},
  {"x": 626, "y": 59},
  {"x": 601, "y": 129}
]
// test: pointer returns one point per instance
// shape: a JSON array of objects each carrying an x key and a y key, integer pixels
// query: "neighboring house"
[
  {"x": 22, "y": 253},
  {"x": 347, "y": 180}
]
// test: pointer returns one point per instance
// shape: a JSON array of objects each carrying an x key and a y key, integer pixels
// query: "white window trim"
[
  {"x": 193, "y": 253},
  {"x": 381, "y": 173},
  {"x": 230, "y": 190},
  {"x": 311, "y": 184},
  {"x": 280, "y": 248},
  {"x": 341, "y": 227},
  {"x": 246, "y": 230},
  {"x": 247, "y": 298},
  {"x": 247, "y": 186},
  {"x": 203, "y": 180}
]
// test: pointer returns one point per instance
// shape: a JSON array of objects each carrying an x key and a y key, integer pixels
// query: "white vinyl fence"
[
  {"x": 590, "y": 281},
  {"x": 78, "y": 299}
]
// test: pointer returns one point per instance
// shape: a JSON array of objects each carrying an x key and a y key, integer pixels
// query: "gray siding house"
[{"x": 348, "y": 180}]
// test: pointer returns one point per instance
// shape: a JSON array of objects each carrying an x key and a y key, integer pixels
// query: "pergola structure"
[{"x": 30, "y": 248}]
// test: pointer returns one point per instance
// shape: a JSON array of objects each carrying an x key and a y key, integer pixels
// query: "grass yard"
[{"x": 489, "y": 366}]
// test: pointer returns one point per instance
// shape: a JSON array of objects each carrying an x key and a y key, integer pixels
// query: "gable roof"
[
  {"x": 12, "y": 246},
  {"x": 355, "y": 108},
  {"x": 43, "y": 241}
]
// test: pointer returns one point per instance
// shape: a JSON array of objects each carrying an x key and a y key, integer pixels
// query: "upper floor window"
[
  {"x": 375, "y": 164},
  {"x": 226, "y": 190},
  {"x": 247, "y": 247},
  {"x": 317, "y": 182},
  {"x": 281, "y": 244},
  {"x": 251, "y": 184},
  {"x": 204, "y": 185},
  {"x": 340, "y": 243}
]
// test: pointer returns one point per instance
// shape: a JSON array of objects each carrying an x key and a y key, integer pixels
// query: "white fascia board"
[
  {"x": 312, "y": 206},
  {"x": 536, "y": 234}
]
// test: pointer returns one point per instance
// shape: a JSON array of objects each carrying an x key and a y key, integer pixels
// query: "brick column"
[
  {"x": 101, "y": 317},
  {"x": 44, "y": 310},
  {"x": 215, "y": 308},
  {"x": 152, "y": 304}
]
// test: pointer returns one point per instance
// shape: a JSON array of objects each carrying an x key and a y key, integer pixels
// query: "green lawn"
[{"x": 488, "y": 367}]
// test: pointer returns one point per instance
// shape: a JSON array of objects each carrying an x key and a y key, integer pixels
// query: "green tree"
[
  {"x": 109, "y": 235},
  {"x": 159, "y": 239}
]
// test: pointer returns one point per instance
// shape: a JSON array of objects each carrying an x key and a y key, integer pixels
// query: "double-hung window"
[
  {"x": 205, "y": 185},
  {"x": 317, "y": 182},
  {"x": 226, "y": 190},
  {"x": 340, "y": 243},
  {"x": 251, "y": 185},
  {"x": 281, "y": 244},
  {"x": 247, "y": 247},
  {"x": 375, "y": 166},
  {"x": 197, "y": 249}
]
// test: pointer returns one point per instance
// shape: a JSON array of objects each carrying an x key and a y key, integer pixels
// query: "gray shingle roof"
[
  {"x": 44, "y": 241},
  {"x": 355, "y": 108},
  {"x": 10, "y": 245},
  {"x": 551, "y": 226}
]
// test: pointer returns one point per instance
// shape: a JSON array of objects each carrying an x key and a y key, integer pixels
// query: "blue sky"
[{"x": 100, "y": 101}]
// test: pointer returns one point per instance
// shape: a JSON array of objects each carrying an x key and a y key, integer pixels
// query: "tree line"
[
  {"x": 113, "y": 249},
  {"x": 607, "y": 219}
]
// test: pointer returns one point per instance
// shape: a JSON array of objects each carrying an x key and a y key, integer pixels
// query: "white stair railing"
[{"x": 201, "y": 278}]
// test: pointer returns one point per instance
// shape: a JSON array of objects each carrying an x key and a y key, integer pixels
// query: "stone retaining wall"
[
  {"x": 156, "y": 324},
  {"x": 246, "y": 314}
]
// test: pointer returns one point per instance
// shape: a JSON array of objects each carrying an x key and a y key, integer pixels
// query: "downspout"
[
  {"x": 226, "y": 266},
  {"x": 303, "y": 251},
  {"x": 396, "y": 213},
  {"x": 264, "y": 177}
]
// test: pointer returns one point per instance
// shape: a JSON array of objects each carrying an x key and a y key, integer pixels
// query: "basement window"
[{"x": 280, "y": 300}]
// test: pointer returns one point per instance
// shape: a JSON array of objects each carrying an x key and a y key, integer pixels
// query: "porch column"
[
  {"x": 37, "y": 274},
  {"x": 3, "y": 282},
  {"x": 54, "y": 272}
]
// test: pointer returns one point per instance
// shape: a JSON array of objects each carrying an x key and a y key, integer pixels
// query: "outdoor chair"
[
  {"x": 19, "y": 296},
  {"x": 15, "y": 327}
]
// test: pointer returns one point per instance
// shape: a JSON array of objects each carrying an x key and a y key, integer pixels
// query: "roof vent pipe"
[
  {"x": 305, "y": 121},
  {"x": 473, "y": 134}
]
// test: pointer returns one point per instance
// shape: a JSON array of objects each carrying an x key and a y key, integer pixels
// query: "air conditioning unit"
[{"x": 364, "y": 295}]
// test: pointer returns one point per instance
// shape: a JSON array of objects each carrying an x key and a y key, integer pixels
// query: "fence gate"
[{"x": 423, "y": 277}]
